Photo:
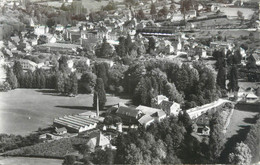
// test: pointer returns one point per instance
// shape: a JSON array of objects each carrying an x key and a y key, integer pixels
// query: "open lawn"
[
  {"x": 29, "y": 161},
  {"x": 25, "y": 110},
  {"x": 240, "y": 120}
]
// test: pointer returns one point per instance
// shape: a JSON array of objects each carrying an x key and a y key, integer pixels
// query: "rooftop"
[
  {"x": 147, "y": 110},
  {"x": 128, "y": 111},
  {"x": 145, "y": 119}
]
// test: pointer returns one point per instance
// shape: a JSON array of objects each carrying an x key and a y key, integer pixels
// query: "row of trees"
[
  {"x": 227, "y": 69},
  {"x": 36, "y": 79}
]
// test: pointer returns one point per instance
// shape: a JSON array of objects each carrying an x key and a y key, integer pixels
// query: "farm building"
[{"x": 76, "y": 123}]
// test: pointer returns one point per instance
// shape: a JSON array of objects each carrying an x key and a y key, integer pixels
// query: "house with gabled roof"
[
  {"x": 150, "y": 115},
  {"x": 254, "y": 59},
  {"x": 169, "y": 107},
  {"x": 98, "y": 141},
  {"x": 128, "y": 115},
  {"x": 146, "y": 120},
  {"x": 60, "y": 131}
]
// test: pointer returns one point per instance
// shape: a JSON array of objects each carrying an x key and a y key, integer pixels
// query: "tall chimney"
[{"x": 97, "y": 106}]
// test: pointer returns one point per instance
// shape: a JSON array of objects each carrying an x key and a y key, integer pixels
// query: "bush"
[{"x": 4, "y": 87}]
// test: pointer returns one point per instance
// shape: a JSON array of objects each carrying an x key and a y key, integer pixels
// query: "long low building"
[
  {"x": 58, "y": 47},
  {"x": 76, "y": 123}
]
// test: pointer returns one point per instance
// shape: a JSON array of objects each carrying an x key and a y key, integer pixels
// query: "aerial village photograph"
[{"x": 146, "y": 82}]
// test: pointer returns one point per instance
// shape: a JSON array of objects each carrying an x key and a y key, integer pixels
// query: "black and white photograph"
[{"x": 129, "y": 82}]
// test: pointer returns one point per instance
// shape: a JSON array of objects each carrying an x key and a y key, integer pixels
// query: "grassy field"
[
  {"x": 29, "y": 161},
  {"x": 239, "y": 121},
  {"x": 25, "y": 110}
]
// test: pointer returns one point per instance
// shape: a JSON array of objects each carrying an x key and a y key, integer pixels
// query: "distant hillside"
[{"x": 90, "y": 5}]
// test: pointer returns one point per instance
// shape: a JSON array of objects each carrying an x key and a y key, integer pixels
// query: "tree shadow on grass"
[
  {"x": 50, "y": 92},
  {"x": 46, "y": 91},
  {"x": 231, "y": 143},
  {"x": 76, "y": 107},
  {"x": 250, "y": 120},
  {"x": 237, "y": 138},
  {"x": 85, "y": 108}
]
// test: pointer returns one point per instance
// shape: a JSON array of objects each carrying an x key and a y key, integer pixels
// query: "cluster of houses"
[{"x": 144, "y": 115}]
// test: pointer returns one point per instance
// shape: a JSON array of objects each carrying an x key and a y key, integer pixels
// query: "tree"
[
  {"x": 63, "y": 63},
  {"x": 153, "y": 10},
  {"x": 185, "y": 5},
  {"x": 104, "y": 50},
  {"x": 42, "y": 40},
  {"x": 104, "y": 156},
  {"x": 140, "y": 14},
  {"x": 185, "y": 119},
  {"x": 237, "y": 57},
  {"x": 74, "y": 83},
  {"x": 172, "y": 7},
  {"x": 84, "y": 149},
  {"x": 60, "y": 82},
  {"x": 172, "y": 93},
  {"x": 221, "y": 77},
  {"x": 100, "y": 93},
  {"x": 253, "y": 140},
  {"x": 11, "y": 79},
  {"x": 128, "y": 44},
  {"x": 134, "y": 155},
  {"x": 50, "y": 22},
  {"x": 216, "y": 138},
  {"x": 240, "y": 15},
  {"x": 143, "y": 92},
  {"x": 101, "y": 70},
  {"x": 233, "y": 82},
  {"x": 69, "y": 160},
  {"x": 121, "y": 49},
  {"x": 241, "y": 155},
  {"x": 88, "y": 81},
  {"x": 163, "y": 12},
  {"x": 151, "y": 45},
  {"x": 18, "y": 71}
]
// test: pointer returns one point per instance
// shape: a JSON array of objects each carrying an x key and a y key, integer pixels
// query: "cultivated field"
[{"x": 25, "y": 110}]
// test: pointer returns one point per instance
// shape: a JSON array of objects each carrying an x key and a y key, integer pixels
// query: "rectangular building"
[{"x": 76, "y": 123}]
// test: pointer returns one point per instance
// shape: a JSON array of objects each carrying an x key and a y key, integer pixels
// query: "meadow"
[{"x": 23, "y": 111}]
